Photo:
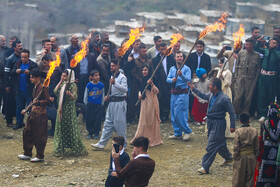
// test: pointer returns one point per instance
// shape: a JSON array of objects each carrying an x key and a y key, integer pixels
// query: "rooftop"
[
  {"x": 255, "y": 21},
  {"x": 211, "y": 13},
  {"x": 152, "y": 15},
  {"x": 131, "y": 24}
]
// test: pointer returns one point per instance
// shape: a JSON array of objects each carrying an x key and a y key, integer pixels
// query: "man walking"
[{"x": 219, "y": 104}]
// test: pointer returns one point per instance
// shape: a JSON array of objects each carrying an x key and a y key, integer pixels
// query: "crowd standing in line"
[{"x": 247, "y": 84}]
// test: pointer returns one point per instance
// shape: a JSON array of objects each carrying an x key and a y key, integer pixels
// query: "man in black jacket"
[
  {"x": 22, "y": 87},
  {"x": 112, "y": 179},
  {"x": 73, "y": 48},
  {"x": 196, "y": 60},
  {"x": 161, "y": 76},
  {"x": 9, "y": 104},
  {"x": 3, "y": 51},
  {"x": 199, "y": 59}
]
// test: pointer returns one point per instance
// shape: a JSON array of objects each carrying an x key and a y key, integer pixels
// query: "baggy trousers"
[
  {"x": 216, "y": 142},
  {"x": 267, "y": 90},
  {"x": 243, "y": 94},
  {"x": 35, "y": 133},
  {"x": 179, "y": 114},
  {"x": 115, "y": 120}
]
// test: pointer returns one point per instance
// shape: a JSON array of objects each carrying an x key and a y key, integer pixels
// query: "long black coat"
[
  {"x": 205, "y": 62},
  {"x": 163, "y": 86}
]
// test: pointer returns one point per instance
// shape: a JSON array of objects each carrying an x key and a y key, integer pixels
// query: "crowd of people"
[{"x": 244, "y": 84}]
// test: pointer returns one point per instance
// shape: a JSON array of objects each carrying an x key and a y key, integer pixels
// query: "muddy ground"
[{"x": 176, "y": 162}]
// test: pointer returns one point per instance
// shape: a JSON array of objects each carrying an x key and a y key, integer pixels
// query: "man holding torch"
[{"x": 179, "y": 98}]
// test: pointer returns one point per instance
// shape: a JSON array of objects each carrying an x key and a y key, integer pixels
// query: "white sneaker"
[
  {"x": 202, "y": 171},
  {"x": 186, "y": 137},
  {"x": 173, "y": 137},
  {"x": 35, "y": 159},
  {"x": 262, "y": 119},
  {"x": 203, "y": 123},
  {"x": 24, "y": 157},
  {"x": 197, "y": 123},
  {"x": 97, "y": 146}
]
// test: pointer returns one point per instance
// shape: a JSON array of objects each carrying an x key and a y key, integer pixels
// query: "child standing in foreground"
[
  {"x": 94, "y": 100},
  {"x": 245, "y": 152},
  {"x": 199, "y": 107}
]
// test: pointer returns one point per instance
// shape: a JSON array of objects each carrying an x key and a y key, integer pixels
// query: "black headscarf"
[{"x": 145, "y": 79}]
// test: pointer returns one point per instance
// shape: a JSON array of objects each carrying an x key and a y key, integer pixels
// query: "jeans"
[{"x": 22, "y": 99}]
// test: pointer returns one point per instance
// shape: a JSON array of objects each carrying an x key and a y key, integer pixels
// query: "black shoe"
[
  {"x": 17, "y": 126},
  {"x": 164, "y": 119},
  {"x": 131, "y": 121},
  {"x": 96, "y": 137},
  {"x": 50, "y": 132}
]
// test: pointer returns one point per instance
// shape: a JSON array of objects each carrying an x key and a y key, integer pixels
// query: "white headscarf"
[{"x": 61, "y": 94}]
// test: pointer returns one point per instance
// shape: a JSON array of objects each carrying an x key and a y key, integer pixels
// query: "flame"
[
  {"x": 53, "y": 65},
  {"x": 175, "y": 38},
  {"x": 80, "y": 54},
  {"x": 134, "y": 35},
  {"x": 218, "y": 25},
  {"x": 237, "y": 36}
]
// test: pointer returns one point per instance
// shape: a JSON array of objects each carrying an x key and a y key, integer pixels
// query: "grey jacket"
[{"x": 219, "y": 108}]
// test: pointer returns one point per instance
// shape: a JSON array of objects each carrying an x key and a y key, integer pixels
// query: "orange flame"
[
  {"x": 80, "y": 54},
  {"x": 133, "y": 36},
  {"x": 175, "y": 38},
  {"x": 218, "y": 25},
  {"x": 237, "y": 36},
  {"x": 53, "y": 65}
]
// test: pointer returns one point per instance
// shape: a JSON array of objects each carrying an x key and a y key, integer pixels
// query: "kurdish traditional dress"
[
  {"x": 149, "y": 121},
  {"x": 226, "y": 87},
  {"x": 67, "y": 138},
  {"x": 269, "y": 171}
]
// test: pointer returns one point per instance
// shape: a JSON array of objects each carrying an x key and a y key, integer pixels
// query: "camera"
[
  {"x": 266, "y": 38},
  {"x": 227, "y": 48},
  {"x": 117, "y": 147}
]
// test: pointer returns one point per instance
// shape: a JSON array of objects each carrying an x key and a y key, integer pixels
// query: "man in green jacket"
[{"x": 268, "y": 79}]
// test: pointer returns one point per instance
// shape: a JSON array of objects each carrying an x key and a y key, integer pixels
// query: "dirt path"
[{"x": 176, "y": 162}]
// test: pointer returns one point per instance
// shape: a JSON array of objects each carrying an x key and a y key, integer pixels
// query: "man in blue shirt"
[
  {"x": 23, "y": 87},
  {"x": 179, "y": 98}
]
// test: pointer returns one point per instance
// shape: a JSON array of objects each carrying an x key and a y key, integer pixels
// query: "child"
[
  {"x": 112, "y": 179},
  {"x": 36, "y": 130},
  {"x": 245, "y": 152},
  {"x": 199, "y": 108},
  {"x": 94, "y": 100}
]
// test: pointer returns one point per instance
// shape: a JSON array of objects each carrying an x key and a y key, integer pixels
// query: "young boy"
[
  {"x": 199, "y": 107},
  {"x": 112, "y": 179},
  {"x": 94, "y": 100},
  {"x": 245, "y": 152},
  {"x": 36, "y": 130}
]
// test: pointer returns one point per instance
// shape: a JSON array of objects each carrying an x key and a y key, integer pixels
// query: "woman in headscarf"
[
  {"x": 226, "y": 76},
  {"x": 67, "y": 138},
  {"x": 149, "y": 120},
  {"x": 269, "y": 171}
]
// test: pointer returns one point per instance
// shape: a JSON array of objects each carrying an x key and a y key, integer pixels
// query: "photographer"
[
  {"x": 139, "y": 170},
  {"x": 112, "y": 179},
  {"x": 22, "y": 87},
  {"x": 268, "y": 79}
]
